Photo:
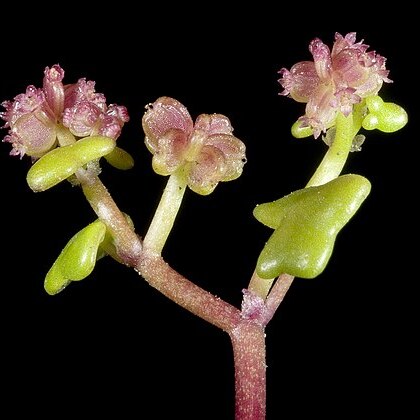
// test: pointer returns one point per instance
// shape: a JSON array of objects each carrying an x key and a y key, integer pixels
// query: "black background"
[{"x": 340, "y": 344}]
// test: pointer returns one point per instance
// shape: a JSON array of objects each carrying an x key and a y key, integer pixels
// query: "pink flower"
[
  {"x": 206, "y": 151},
  {"x": 33, "y": 117},
  {"x": 334, "y": 81}
]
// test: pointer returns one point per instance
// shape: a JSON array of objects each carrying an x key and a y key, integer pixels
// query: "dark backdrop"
[{"x": 339, "y": 344}]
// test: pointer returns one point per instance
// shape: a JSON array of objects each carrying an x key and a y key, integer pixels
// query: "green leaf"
[
  {"x": 61, "y": 163},
  {"x": 301, "y": 132},
  {"x": 306, "y": 224},
  {"x": 120, "y": 159},
  {"x": 77, "y": 259},
  {"x": 385, "y": 116}
]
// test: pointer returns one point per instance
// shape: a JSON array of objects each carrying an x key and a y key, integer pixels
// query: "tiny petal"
[
  {"x": 86, "y": 118},
  {"x": 83, "y": 91},
  {"x": 233, "y": 150},
  {"x": 54, "y": 89},
  {"x": 82, "y": 119},
  {"x": 355, "y": 67},
  {"x": 347, "y": 42},
  {"x": 5, "y": 115},
  {"x": 23, "y": 104},
  {"x": 119, "y": 112},
  {"x": 347, "y": 68},
  {"x": 163, "y": 115},
  {"x": 109, "y": 127},
  {"x": 112, "y": 122},
  {"x": 213, "y": 124},
  {"x": 169, "y": 152},
  {"x": 300, "y": 82},
  {"x": 209, "y": 169},
  {"x": 18, "y": 149},
  {"x": 33, "y": 135},
  {"x": 345, "y": 99},
  {"x": 320, "y": 110},
  {"x": 322, "y": 59}
]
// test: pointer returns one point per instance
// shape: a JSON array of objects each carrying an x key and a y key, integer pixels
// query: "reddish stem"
[
  {"x": 276, "y": 296},
  {"x": 186, "y": 294},
  {"x": 248, "y": 341},
  {"x": 247, "y": 336}
]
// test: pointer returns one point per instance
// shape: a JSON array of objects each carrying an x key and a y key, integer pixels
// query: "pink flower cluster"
[
  {"x": 206, "y": 151},
  {"x": 334, "y": 81},
  {"x": 33, "y": 117}
]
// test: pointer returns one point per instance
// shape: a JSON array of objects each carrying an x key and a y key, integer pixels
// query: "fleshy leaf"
[
  {"x": 385, "y": 116},
  {"x": 63, "y": 162},
  {"x": 120, "y": 159},
  {"x": 77, "y": 259},
  {"x": 300, "y": 132},
  {"x": 306, "y": 223}
]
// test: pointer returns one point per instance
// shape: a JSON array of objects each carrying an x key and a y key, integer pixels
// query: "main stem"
[{"x": 248, "y": 342}]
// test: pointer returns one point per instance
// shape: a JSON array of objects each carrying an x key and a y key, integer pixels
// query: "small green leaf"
[
  {"x": 61, "y": 163},
  {"x": 55, "y": 281},
  {"x": 77, "y": 259},
  {"x": 120, "y": 159},
  {"x": 385, "y": 116},
  {"x": 301, "y": 132},
  {"x": 306, "y": 223}
]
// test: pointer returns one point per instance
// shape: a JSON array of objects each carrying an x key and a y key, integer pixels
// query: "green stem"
[
  {"x": 336, "y": 156},
  {"x": 65, "y": 137},
  {"x": 126, "y": 241},
  {"x": 276, "y": 296},
  {"x": 166, "y": 212},
  {"x": 260, "y": 286}
]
